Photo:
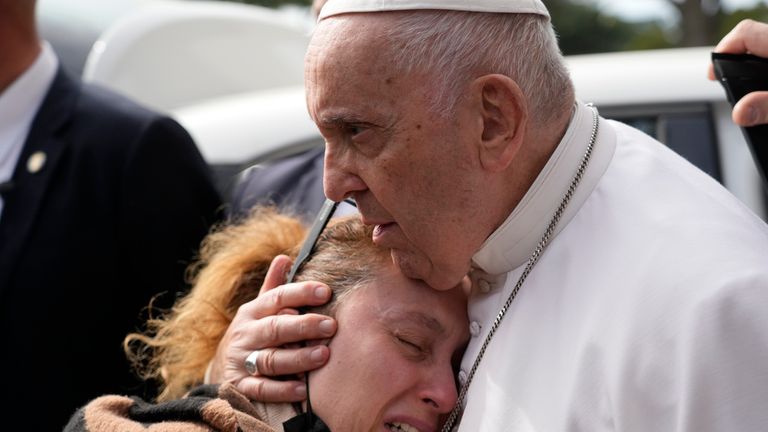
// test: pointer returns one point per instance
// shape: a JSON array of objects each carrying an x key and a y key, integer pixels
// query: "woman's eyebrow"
[{"x": 419, "y": 318}]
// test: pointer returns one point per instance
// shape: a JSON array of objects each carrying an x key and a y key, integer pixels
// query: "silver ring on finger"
[{"x": 251, "y": 363}]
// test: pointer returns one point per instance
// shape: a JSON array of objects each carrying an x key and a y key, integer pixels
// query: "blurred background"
[
  {"x": 589, "y": 26},
  {"x": 231, "y": 72},
  {"x": 584, "y": 26}
]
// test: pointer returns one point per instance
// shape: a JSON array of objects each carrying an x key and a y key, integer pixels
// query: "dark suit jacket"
[
  {"x": 112, "y": 218},
  {"x": 293, "y": 183}
]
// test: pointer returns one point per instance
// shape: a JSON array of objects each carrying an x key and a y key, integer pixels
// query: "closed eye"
[
  {"x": 409, "y": 344},
  {"x": 414, "y": 350}
]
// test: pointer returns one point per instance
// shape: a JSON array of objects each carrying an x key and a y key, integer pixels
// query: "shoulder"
[
  {"x": 207, "y": 406},
  {"x": 660, "y": 191},
  {"x": 98, "y": 100},
  {"x": 110, "y": 122},
  {"x": 293, "y": 183},
  {"x": 103, "y": 111},
  {"x": 108, "y": 409}
]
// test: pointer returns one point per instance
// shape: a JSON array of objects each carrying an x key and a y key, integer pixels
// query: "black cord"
[{"x": 307, "y": 421}]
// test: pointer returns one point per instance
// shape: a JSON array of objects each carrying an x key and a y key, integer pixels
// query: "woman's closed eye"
[
  {"x": 409, "y": 344},
  {"x": 412, "y": 346}
]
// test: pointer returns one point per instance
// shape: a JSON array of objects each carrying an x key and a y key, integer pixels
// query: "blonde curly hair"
[{"x": 177, "y": 345}]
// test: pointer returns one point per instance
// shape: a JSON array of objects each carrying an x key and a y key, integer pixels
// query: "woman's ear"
[{"x": 504, "y": 114}]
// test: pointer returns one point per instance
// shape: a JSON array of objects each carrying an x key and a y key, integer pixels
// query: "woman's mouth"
[{"x": 401, "y": 427}]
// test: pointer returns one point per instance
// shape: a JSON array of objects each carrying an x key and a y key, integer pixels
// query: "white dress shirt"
[
  {"x": 19, "y": 104},
  {"x": 648, "y": 311}
]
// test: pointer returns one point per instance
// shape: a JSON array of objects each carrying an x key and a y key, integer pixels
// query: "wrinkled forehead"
[
  {"x": 348, "y": 49},
  {"x": 349, "y": 33}
]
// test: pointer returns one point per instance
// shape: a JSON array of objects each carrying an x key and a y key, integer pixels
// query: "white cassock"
[{"x": 647, "y": 312}]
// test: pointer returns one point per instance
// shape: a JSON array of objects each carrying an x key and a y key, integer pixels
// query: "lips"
[
  {"x": 409, "y": 423},
  {"x": 401, "y": 427},
  {"x": 373, "y": 220},
  {"x": 383, "y": 224},
  {"x": 380, "y": 232}
]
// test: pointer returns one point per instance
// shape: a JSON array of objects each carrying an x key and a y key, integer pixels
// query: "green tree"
[
  {"x": 728, "y": 21},
  {"x": 582, "y": 28},
  {"x": 699, "y": 21}
]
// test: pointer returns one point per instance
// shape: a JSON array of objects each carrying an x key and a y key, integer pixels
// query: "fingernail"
[
  {"x": 301, "y": 391},
  {"x": 326, "y": 327},
  {"x": 322, "y": 292},
  {"x": 754, "y": 116},
  {"x": 317, "y": 355}
]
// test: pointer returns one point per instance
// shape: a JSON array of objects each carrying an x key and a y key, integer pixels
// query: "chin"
[
  {"x": 442, "y": 282},
  {"x": 423, "y": 270}
]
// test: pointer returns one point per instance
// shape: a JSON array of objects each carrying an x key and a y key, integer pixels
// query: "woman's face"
[{"x": 394, "y": 357}]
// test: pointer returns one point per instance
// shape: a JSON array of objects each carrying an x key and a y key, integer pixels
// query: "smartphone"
[{"x": 741, "y": 74}]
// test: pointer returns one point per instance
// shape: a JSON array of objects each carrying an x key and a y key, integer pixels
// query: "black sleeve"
[
  {"x": 294, "y": 184},
  {"x": 168, "y": 205}
]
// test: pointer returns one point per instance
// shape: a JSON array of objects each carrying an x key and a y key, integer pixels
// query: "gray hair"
[{"x": 458, "y": 46}]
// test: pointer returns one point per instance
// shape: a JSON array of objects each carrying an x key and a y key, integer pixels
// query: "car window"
[{"x": 688, "y": 130}]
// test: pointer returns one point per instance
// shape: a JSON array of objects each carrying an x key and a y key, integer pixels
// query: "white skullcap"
[{"x": 338, "y": 7}]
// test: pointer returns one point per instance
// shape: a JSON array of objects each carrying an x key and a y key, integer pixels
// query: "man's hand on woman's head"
[
  {"x": 269, "y": 323},
  {"x": 747, "y": 37}
]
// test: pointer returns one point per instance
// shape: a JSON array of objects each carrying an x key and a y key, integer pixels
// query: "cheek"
[
  {"x": 353, "y": 391},
  {"x": 341, "y": 390}
]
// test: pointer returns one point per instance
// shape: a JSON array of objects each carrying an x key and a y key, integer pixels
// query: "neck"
[{"x": 19, "y": 47}]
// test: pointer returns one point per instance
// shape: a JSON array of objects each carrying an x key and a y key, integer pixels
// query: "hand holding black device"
[{"x": 741, "y": 74}]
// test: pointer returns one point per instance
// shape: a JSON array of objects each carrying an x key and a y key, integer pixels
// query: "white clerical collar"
[
  {"x": 338, "y": 7},
  {"x": 513, "y": 242}
]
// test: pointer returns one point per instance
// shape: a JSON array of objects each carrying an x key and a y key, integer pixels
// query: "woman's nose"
[
  {"x": 340, "y": 177},
  {"x": 440, "y": 391}
]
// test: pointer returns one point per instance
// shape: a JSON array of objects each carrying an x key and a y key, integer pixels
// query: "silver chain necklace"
[{"x": 531, "y": 262}]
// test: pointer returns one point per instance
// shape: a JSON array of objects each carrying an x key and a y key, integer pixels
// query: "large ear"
[{"x": 504, "y": 115}]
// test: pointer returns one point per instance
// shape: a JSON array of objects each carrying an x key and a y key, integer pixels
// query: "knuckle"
[
  {"x": 278, "y": 298},
  {"x": 272, "y": 330},
  {"x": 259, "y": 389},
  {"x": 268, "y": 361},
  {"x": 304, "y": 327},
  {"x": 302, "y": 360},
  {"x": 245, "y": 309},
  {"x": 746, "y": 25},
  {"x": 244, "y": 334}
]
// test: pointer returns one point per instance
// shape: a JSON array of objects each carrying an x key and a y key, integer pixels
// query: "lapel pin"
[{"x": 36, "y": 162}]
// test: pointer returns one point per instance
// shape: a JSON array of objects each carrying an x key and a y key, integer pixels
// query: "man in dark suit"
[
  {"x": 293, "y": 183},
  {"x": 103, "y": 205}
]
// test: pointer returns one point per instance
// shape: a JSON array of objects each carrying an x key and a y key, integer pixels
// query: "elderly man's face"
[{"x": 414, "y": 174}]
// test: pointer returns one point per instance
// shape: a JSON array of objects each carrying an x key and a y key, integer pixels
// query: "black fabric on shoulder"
[{"x": 293, "y": 183}]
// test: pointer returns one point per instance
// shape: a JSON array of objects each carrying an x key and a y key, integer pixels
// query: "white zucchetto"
[{"x": 338, "y": 7}]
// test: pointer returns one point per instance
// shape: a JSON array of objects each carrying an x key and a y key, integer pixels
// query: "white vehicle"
[
  {"x": 666, "y": 94},
  {"x": 232, "y": 75}
]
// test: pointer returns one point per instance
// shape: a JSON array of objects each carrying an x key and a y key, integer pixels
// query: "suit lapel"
[{"x": 31, "y": 180}]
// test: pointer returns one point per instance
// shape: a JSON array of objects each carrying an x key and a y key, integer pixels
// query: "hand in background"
[{"x": 747, "y": 37}]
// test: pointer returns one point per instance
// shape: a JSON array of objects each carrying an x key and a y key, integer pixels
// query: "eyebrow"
[
  {"x": 338, "y": 119},
  {"x": 417, "y": 317}
]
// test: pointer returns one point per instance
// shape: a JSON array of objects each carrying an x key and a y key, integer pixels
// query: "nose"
[
  {"x": 440, "y": 391},
  {"x": 340, "y": 174}
]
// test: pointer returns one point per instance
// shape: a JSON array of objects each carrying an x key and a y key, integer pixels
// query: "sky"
[{"x": 638, "y": 10}]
